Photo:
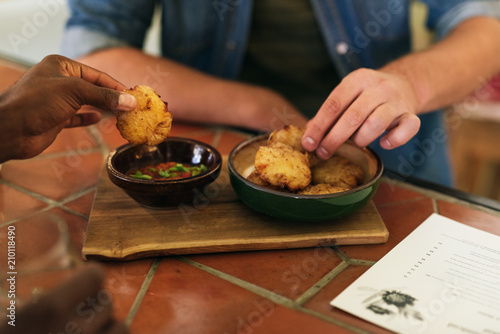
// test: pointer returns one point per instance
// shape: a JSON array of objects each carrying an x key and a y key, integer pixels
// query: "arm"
[
  {"x": 46, "y": 100},
  {"x": 195, "y": 96},
  {"x": 367, "y": 102},
  {"x": 72, "y": 305}
]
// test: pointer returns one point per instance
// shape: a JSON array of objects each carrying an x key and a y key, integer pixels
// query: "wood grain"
[{"x": 121, "y": 229}]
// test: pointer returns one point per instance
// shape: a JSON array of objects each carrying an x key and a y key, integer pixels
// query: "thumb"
[
  {"x": 106, "y": 98},
  {"x": 126, "y": 102}
]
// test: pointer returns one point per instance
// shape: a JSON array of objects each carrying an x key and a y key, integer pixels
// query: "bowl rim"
[
  {"x": 369, "y": 183},
  {"x": 210, "y": 171}
]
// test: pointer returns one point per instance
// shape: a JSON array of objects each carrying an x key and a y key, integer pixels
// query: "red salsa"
[{"x": 167, "y": 171}]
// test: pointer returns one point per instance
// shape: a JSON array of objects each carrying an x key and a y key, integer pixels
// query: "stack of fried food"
[{"x": 284, "y": 165}]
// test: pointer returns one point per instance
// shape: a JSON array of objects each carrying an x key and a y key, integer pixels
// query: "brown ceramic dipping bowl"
[{"x": 168, "y": 193}]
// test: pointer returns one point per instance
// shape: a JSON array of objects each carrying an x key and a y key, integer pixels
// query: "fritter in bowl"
[
  {"x": 292, "y": 135},
  {"x": 149, "y": 123},
  {"x": 321, "y": 189},
  {"x": 337, "y": 171},
  {"x": 255, "y": 178},
  {"x": 282, "y": 166}
]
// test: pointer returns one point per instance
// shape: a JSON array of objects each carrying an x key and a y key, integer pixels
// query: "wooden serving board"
[{"x": 121, "y": 229}]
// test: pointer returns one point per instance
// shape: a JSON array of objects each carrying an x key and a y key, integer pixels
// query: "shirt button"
[
  {"x": 342, "y": 48},
  {"x": 231, "y": 45}
]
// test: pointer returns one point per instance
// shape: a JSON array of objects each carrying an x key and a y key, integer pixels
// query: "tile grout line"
[
  {"x": 96, "y": 134},
  {"x": 353, "y": 261},
  {"x": 275, "y": 298},
  {"x": 78, "y": 194},
  {"x": 278, "y": 299},
  {"x": 308, "y": 294},
  {"x": 402, "y": 201},
  {"x": 356, "y": 262},
  {"x": 346, "y": 262},
  {"x": 51, "y": 203},
  {"x": 340, "y": 254},
  {"x": 38, "y": 196},
  {"x": 47, "y": 208},
  {"x": 436, "y": 195},
  {"x": 331, "y": 320},
  {"x": 73, "y": 212},
  {"x": 142, "y": 291},
  {"x": 74, "y": 196},
  {"x": 435, "y": 206},
  {"x": 101, "y": 144},
  {"x": 217, "y": 138},
  {"x": 15, "y": 220},
  {"x": 325, "y": 279}
]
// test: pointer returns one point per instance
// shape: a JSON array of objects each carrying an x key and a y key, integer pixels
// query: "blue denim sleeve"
[
  {"x": 98, "y": 24},
  {"x": 444, "y": 15}
]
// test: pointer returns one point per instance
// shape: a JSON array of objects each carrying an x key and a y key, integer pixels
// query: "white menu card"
[{"x": 443, "y": 278}]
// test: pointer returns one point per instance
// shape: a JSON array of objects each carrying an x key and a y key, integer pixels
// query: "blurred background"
[{"x": 32, "y": 29}]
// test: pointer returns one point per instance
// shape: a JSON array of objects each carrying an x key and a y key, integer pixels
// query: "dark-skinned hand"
[{"x": 46, "y": 100}]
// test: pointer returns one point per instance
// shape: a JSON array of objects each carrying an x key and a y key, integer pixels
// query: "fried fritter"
[
  {"x": 292, "y": 135},
  {"x": 337, "y": 171},
  {"x": 322, "y": 188},
  {"x": 282, "y": 166},
  {"x": 149, "y": 123},
  {"x": 255, "y": 178},
  {"x": 312, "y": 158}
]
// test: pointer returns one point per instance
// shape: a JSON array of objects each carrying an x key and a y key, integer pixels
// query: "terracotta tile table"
[{"x": 280, "y": 291}]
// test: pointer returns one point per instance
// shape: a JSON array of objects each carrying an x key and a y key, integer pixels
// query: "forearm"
[
  {"x": 193, "y": 95},
  {"x": 10, "y": 130},
  {"x": 451, "y": 69}
]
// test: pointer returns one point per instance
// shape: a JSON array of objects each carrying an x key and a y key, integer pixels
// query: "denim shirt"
[{"x": 211, "y": 37}]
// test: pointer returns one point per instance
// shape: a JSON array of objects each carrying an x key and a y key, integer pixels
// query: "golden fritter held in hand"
[
  {"x": 292, "y": 135},
  {"x": 322, "y": 188},
  {"x": 282, "y": 166},
  {"x": 149, "y": 123},
  {"x": 337, "y": 171}
]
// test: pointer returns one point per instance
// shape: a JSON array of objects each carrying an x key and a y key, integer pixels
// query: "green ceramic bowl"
[{"x": 309, "y": 208}]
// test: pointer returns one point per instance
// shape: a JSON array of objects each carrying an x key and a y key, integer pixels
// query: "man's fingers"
[
  {"x": 354, "y": 118},
  {"x": 375, "y": 125},
  {"x": 362, "y": 107},
  {"x": 338, "y": 101},
  {"x": 399, "y": 134}
]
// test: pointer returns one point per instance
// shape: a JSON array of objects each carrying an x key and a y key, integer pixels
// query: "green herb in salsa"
[
  {"x": 139, "y": 175},
  {"x": 168, "y": 171}
]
